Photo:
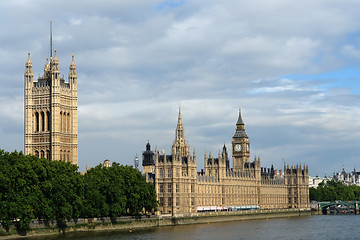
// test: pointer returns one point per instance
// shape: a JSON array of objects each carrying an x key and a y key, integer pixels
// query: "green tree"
[{"x": 19, "y": 190}]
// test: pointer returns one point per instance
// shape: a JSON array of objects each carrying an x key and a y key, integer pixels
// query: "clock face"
[{"x": 237, "y": 147}]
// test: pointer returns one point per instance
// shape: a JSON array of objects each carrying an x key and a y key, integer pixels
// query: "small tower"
[
  {"x": 51, "y": 112},
  {"x": 240, "y": 145},
  {"x": 107, "y": 163},
  {"x": 148, "y": 162},
  {"x": 226, "y": 157}
]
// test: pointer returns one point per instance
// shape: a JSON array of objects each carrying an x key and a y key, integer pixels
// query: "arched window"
[
  {"x": 42, "y": 121},
  {"x": 48, "y": 121},
  {"x": 36, "y": 122},
  {"x": 42, "y": 154},
  {"x": 64, "y": 122},
  {"x": 61, "y": 122},
  {"x": 68, "y": 122},
  {"x": 61, "y": 155},
  {"x": 37, "y": 153},
  {"x": 47, "y": 154},
  {"x": 68, "y": 156}
]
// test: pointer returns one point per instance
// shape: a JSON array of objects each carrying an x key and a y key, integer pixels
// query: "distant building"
[
  {"x": 181, "y": 189},
  {"x": 352, "y": 178},
  {"x": 51, "y": 126},
  {"x": 315, "y": 181},
  {"x": 107, "y": 163}
]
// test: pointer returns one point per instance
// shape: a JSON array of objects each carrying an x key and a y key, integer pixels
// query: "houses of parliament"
[
  {"x": 181, "y": 189},
  {"x": 50, "y": 132}
]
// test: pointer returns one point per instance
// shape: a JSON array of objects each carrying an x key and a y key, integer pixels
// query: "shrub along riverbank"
[{"x": 33, "y": 188}]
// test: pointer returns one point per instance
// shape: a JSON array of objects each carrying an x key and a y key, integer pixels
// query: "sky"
[{"x": 293, "y": 67}]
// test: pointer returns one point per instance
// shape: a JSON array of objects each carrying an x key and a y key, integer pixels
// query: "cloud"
[{"x": 285, "y": 63}]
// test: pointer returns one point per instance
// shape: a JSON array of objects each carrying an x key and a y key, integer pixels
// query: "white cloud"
[{"x": 138, "y": 61}]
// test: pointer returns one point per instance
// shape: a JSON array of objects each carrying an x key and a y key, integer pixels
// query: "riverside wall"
[{"x": 39, "y": 228}]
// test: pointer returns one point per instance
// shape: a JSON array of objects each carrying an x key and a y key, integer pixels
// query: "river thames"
[{"x": 310, "y": 227}]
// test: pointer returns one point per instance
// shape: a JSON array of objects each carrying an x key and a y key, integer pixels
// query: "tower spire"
[
  {"x": 180, "y": 145},
  {"x": 179, "y": 118},
  {"x": 240, "y": 121}
]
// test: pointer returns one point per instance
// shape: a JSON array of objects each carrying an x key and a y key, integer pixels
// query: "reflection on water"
[{"x": 314, "y": 227}]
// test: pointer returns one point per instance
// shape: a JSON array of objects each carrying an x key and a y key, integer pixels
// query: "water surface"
[{"x": 310, "y": 227}]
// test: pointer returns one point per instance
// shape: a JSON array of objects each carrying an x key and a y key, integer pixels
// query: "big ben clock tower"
[{"x": 240, "y": 146}]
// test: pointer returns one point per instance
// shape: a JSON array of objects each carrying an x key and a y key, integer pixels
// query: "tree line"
[
  {"x": 332, "y": 191},
  {"x": 33, "y": 188}
]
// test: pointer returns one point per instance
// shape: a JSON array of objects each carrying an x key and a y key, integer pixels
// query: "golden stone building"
[
  {"x": 51, "y": 112},
  {"x": 181, "y": 189}
]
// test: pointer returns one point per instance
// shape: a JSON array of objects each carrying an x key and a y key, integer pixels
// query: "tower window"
[
  {"x": 169, "y": 172},
  {"x": 37, "y": 122},
  {"x": 61, "y": 121},
  {"x": 42, "y": 121},
  {"x": 68, "y": 122},
  {"x": 47, "y": 154},
  {"x": 48, "y": 121},
  {"x": 169, "y": 201}
]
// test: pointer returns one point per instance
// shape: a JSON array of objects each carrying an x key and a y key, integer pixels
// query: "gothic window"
[
  {"x": 61, "y": 121},
  {"x": 64, "y": 122},
  {"x": 169, "y": 201},
  {"x": 192, "y": 188},
  {"x": 169, "y": 187},
  {"x": 177, "y": 187},
  {"x": 48, "y": 121},
  {"x": 68, "y": 122},
  {"x": 161, "y": 201},
  {"x": 161, "y": 173},
  {"x": 169, "y": 172},
  {"x": 61, "y": 155},
  {"x": 42, "y": 121},
  {"x": 192, "y": 201},
  {"x": 47, "y": 154},
  {"x": 68, "y": 156},
  {"x": 37, "y": 153},
  {"x": 37, "y": 122},
  {"x": 42, "y": 154},
  {"x": 161, "y": 188}
]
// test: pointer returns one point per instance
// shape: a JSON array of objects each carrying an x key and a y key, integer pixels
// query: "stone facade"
[
  {"x": 181, "y": 189},
  {"x": 352, "y": 178},
  {"x": 51, "y": 112}
]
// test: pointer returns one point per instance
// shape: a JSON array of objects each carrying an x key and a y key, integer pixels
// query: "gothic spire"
[
  {"x": 28, "y": 64},
  {"x": 240, "y": 127},
  {"x": 179, "y": 118},
  {"x": 240, "y": 121},
  {"x": 179, "y": 128},
  {"x": 72, "y": 66}
]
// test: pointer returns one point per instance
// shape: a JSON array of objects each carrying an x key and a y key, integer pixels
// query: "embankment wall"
[{"x": 39, "y": 228}]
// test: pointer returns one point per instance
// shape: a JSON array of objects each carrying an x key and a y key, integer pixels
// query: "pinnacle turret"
[
  {"x": 179, "y": 134},
  {"x": 28, "y": 62},
  {"x": 29, "y": 74},
  {"x": 28, "y": 65}
]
